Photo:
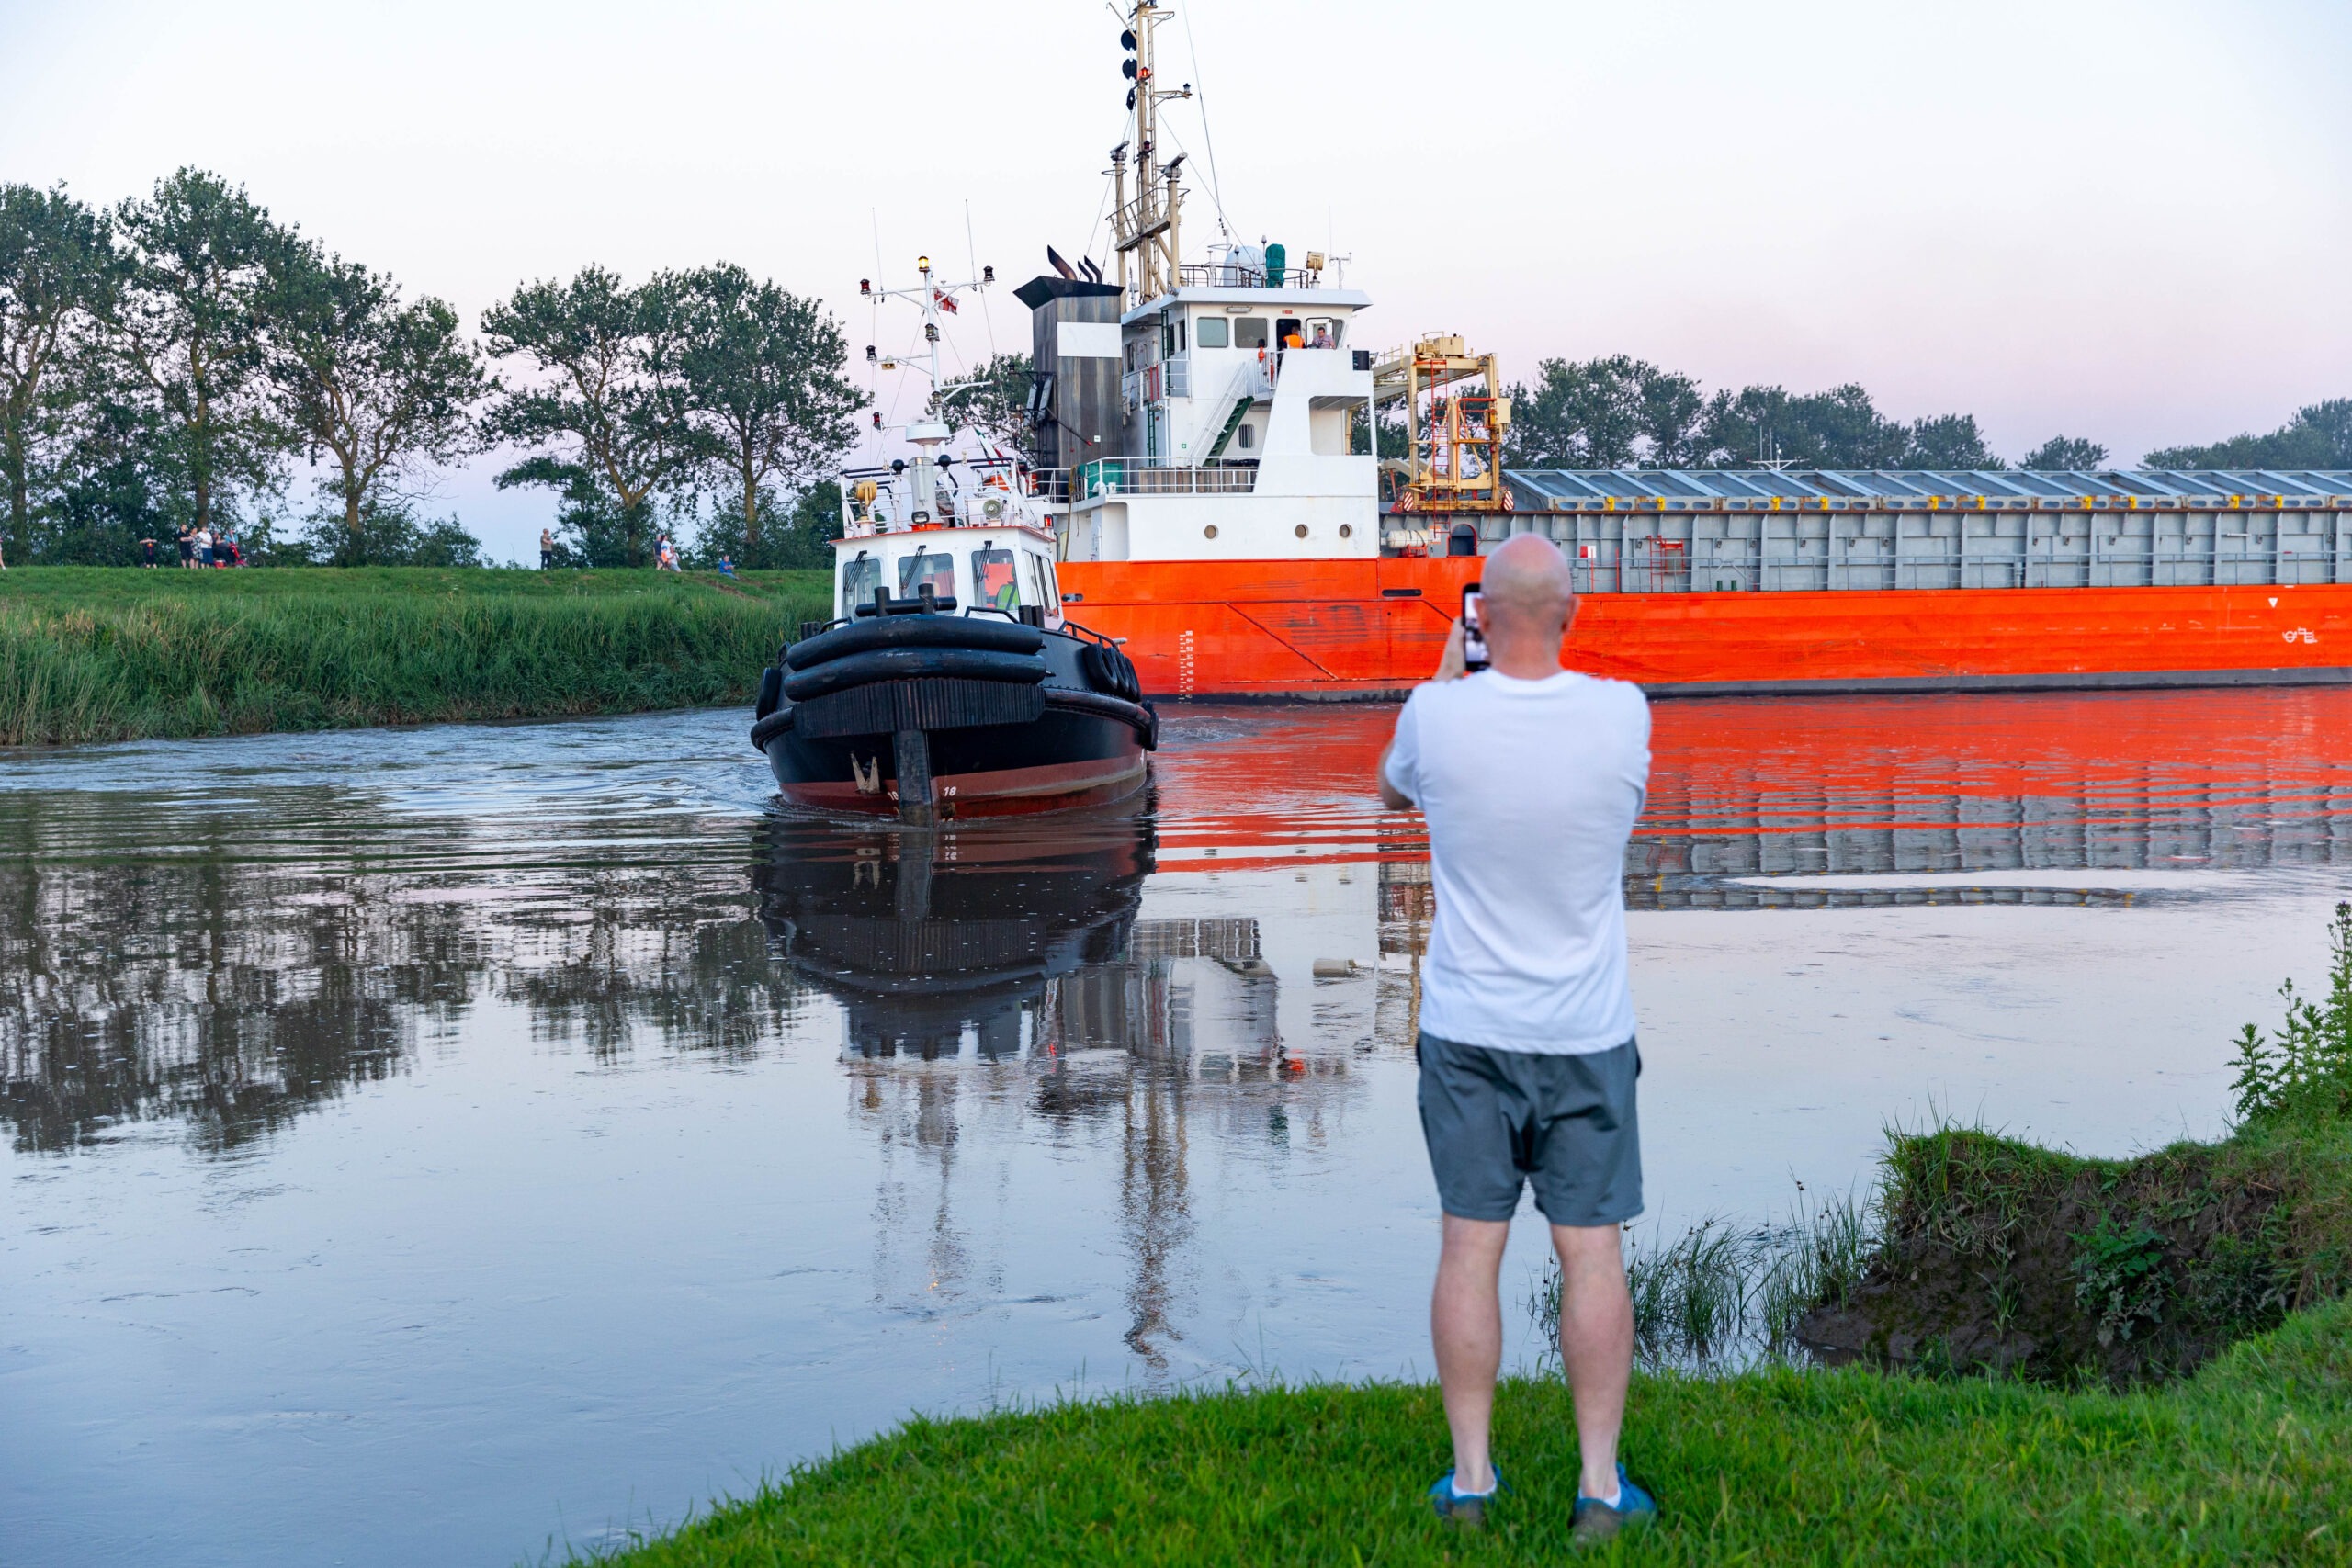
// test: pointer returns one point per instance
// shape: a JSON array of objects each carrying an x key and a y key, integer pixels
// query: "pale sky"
[{"x": 2130, "y": 221}]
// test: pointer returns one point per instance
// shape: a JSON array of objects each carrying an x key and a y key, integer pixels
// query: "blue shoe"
[
  {"x": 1465, "y": 1508},
  {"x": 1596, "y": 1522}
]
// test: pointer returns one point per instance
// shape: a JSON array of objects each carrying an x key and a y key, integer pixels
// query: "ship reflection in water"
[
  {"x": 527, "y": 1120},
  {"x": 1021, "y": 946}
]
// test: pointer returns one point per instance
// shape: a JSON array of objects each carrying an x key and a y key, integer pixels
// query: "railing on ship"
[
  {"x": 1228, "y": 275},
  {"x": 1161, "y": 476},
  {"x": 1666, "y": 567}
]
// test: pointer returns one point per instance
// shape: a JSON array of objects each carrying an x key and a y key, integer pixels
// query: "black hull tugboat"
[{"x": 949, "y": 685}]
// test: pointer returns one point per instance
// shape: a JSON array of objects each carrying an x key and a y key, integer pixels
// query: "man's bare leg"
[
  {"x": 1467, "y": 1328},
  {"x": 1596, "y": 1346}
]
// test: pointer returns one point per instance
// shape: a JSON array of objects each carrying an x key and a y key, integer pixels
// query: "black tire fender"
[
  {"x": 978, "y": 633},
  {"x": 904, "y": 663}
]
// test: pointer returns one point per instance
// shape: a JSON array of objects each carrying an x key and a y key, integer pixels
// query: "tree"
[
  {"x": 1841, "y": 428},
  {"x": 802, "y": 542},
  {"x": 111, "y": 471},
  {"x": 57, "y": 265},
  {"x": 760, "y": 369},
  {"x": 376, "y": 386},
  {"x": 1604, "y": 413},
  {"x": 996, "y": 401},
  {"x": 1584, "y": 415},
  {"x": 1671, "y": 411},
  {"x": 1950, "y": 441},
  {"x": 2318, "y": 436},
  {"x": 190, "y": 323},
  {"x": 2064, "y": 454},
  {"x": 611, "y": 413},
  {"x": 388, "y": 534}
]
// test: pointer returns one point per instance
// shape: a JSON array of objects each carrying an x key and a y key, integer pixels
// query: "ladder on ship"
[{"x": 1241, "y": 401}]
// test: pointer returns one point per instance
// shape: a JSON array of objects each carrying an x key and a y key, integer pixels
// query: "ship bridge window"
[
  {"x": 1209, "y": 331},
  {"x": 924, "y": 568},
  {"x": 993, "y": 587},
  {"x": 1041, "y": 585},
  {"x": 1249, "y": 331},
  {"x": 860, "y": 577},
  {"x": 1171, "y": 338},
  {"x": 1285, "y": 329},
  {"x": 1323, "y": 332}
]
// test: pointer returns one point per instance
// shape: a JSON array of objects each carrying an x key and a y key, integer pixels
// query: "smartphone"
[{"x": 1474, "y": 634}]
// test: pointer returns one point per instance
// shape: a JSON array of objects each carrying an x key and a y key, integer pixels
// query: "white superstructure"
[
  {"x": 1238, "y": 383},
  {"x": 971, "y": 529}
]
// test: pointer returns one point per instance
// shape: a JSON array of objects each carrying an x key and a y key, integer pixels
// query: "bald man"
[{"x": 1530, "y": 777}]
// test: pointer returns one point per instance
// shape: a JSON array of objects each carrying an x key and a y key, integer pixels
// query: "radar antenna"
[{"x": 1144, "y": 227}]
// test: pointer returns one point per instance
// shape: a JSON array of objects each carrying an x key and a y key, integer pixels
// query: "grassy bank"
[
  {"x": 2095, "y": 1363},
  {"x": 90, "y": 654},
  {"x": 2249, "y": 1461}
]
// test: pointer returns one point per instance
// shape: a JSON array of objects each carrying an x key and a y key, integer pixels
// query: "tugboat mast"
[
  {"x": 933, "y": 297},
  {"x": 1145, "y": 229}
]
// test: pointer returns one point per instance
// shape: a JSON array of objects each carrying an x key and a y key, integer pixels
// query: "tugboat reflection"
[{"x": 1003, "y": 974}]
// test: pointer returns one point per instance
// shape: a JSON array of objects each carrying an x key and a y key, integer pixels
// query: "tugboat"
[{"x": 949, "y": 685}]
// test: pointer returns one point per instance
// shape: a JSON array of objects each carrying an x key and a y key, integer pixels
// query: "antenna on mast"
[{"x": 1145, "y": 229}]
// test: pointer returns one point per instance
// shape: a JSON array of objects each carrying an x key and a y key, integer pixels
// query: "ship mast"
[{"x": 1145, "y": 229}]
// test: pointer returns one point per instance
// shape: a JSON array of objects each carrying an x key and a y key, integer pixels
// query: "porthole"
[
  {"x": 1300, "y": 530},
  {"x": 1209, "y": 532},
  {"x": 1346, "y": 530}
]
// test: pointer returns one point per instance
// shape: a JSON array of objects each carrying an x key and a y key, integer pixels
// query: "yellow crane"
[{"x": 1456, "y": 419}]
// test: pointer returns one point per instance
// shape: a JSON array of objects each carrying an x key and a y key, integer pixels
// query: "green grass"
[
  {"x": 92, "y": 654},
  {"x": 2251, "y": 1461}
]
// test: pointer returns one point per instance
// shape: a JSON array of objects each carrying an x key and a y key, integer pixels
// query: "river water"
[{"x": 435, "y": 1146}]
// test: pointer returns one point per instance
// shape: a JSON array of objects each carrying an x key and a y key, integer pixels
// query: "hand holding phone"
[{"x": 1474, "y": 634}]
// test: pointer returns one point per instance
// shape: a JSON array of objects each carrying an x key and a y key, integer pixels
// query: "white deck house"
[{"x": 1236, "y": 405}]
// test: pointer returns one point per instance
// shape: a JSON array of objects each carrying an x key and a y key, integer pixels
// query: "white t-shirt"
[{"x": 1531, "y": 789}]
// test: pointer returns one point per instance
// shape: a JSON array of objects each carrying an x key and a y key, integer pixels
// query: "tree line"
[
  {"x": 1619, "y": 412},
  {"x": 164, "y": 363}
]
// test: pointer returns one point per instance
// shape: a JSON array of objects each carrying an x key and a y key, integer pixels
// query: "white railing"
[{"x": 1159, "y": 476}]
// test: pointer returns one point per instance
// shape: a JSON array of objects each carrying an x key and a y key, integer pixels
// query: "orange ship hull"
[{"x": 1370, "y": 628}]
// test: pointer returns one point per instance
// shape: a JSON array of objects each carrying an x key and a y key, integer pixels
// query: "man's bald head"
[{"x": 1526, "y": 591}]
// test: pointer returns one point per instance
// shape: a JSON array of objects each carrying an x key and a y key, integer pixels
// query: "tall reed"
[
  {"x": 1721, "y": 1295},
  {"x": 125, "y": 656}
]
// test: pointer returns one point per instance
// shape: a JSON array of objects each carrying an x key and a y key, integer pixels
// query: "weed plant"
[
  {"x": 2303, "y": 1069},
  {"x": 95, "y": 654},
  {"x": 1721, "y": 1296}
]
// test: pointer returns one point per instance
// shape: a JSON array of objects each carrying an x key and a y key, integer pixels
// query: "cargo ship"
[
  {"x": 1192, "y": 426},
  {"x": 1191, "y": 452}
]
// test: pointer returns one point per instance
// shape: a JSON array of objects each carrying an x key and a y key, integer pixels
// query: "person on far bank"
[
  {"x": 547, "y": 550},
  {"x": 1530, "y": 778}
]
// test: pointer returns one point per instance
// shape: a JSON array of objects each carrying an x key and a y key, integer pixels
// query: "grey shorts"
[{"x": 1496, "y": 1119}]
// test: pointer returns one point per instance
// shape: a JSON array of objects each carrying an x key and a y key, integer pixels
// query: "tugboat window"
[
  {"x": 1041, "y": 587},
  {"x": 938, "y": 570},
  {"x": 1249, "y": 331},
  {"x": 1209, "y": 331},
  {"x": 993, "y": 586},
  {"x": 859, "y": 580}
]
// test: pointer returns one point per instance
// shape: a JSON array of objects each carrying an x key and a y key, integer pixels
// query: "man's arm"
[{"x": 1389, "y": 795}]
